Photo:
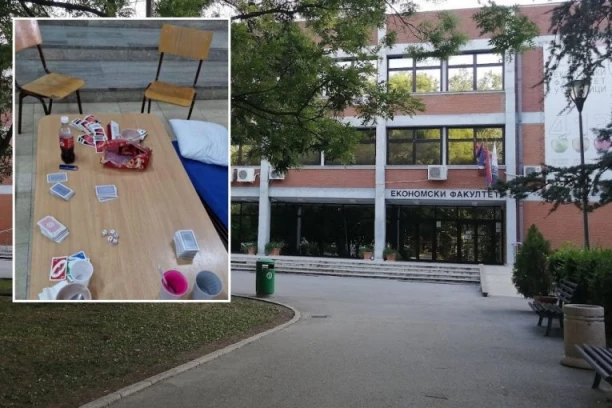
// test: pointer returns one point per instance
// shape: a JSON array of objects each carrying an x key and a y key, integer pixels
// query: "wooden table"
[{"x": 152, "y": 205}]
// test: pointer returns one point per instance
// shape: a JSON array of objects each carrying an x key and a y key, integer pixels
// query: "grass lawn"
[
  {"x": 66, "y": 355},
  {"x": 6, "y": 287}
]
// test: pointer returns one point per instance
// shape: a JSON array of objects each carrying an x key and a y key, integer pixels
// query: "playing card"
[
  {"x": 57, "y": 177},
  {"x": 78, "y": 255},
  {"x": 50, "y": 225},
  {"x": 78, "y": 124},
  {"x": 189, "y": 241},
  {"x": 100, "y": 146},
  {"x": 91, "y": 119},
  {"x": 58, "y": 268},
  {"x": 62, "y": 191},
  {"x": 106, "y": 190}
]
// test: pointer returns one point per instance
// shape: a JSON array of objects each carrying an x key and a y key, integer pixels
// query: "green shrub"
[{"x": 530, "y": 275}]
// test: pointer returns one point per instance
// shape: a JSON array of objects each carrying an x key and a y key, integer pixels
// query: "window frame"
[
  {"x": 474, "y": 66},
  {"x": 371, "y": 141},
  {"x": 413, "y": 72},
  {"x": 473, "y": 140},
  {"x": 415, "y": 141}
]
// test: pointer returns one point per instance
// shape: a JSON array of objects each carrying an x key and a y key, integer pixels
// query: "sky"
[{"x": 425, "y": 5}]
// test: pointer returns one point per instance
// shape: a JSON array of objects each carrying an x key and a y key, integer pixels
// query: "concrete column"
[
  {"x": 263, "y": 230},
  {"x": 510, "y": 155},
  {"x": 380, "y": 219}
]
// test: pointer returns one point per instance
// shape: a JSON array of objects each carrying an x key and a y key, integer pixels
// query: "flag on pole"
[
  {"x": 488, "y": 173},
  {"x": 480, "y": 157},
  {"x": 494, "y": 165}
]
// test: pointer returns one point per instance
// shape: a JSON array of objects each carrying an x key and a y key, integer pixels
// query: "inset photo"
[{"x": 121, "y": 160}]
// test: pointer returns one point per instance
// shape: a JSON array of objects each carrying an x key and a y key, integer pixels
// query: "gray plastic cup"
[{"x": 207, "y": 286}]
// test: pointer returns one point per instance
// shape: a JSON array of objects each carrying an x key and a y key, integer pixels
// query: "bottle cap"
[{"x": 64, "y": 120}]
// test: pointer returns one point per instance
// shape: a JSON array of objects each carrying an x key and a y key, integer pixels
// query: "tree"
[
  {"x": 530, "y": 275},
  {"x": 580, "y": 29}
]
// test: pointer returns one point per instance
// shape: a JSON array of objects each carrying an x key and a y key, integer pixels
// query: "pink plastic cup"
[{"x": 177, "y": 285}]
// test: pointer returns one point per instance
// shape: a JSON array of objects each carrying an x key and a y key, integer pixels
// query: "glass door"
[
  {"x": 447, "y": 241},
  {"x": 467, "y": 242}
]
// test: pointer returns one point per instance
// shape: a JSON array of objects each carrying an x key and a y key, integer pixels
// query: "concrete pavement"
[{"x": 379, "y": 343}]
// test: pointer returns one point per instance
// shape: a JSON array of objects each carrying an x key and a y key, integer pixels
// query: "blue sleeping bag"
[{"x": 211, "y": 183}]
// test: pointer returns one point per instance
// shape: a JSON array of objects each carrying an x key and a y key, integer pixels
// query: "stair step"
[
  {"x": 441, "y": 279},
  {"x": 370, "y": 269}
]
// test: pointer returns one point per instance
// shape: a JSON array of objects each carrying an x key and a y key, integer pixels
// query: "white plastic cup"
[
  {"x": 81, "y": 272},
  {"x": 207, "y": 286}
]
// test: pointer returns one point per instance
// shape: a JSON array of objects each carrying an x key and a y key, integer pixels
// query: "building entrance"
[{"x": 447, "y": 234}]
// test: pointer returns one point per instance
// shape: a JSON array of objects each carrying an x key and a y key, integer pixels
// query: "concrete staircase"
[
  {"x": 414, "y": 271},
  {"x": 118, "y": 59}
]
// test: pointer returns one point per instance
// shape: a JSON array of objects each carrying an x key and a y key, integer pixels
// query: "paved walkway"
[{"x": 385, "y": 344}]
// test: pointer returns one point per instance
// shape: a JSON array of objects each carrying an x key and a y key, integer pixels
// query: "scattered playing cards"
[
  {"x": 106, "y": 192},
  {"x": 59, "y": 267},
  {"x": 186, "y": 244},
  {"x": 53, "y": 229},
  {"x": 53, "y": 178},
  {"x": 61, "y": 191}
]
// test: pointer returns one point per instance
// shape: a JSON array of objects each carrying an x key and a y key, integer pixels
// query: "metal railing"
[{"x": 6, "y": 251}]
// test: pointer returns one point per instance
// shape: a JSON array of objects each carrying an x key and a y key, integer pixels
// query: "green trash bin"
[{"x": 264, "y": 277}]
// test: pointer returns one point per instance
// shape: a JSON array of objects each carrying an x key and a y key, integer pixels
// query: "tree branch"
[{"x": 68, "y": 6}]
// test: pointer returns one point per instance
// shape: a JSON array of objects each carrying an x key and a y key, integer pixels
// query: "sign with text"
[
  {"x": 442, "y": 194},
  {"x": 562, "y": 130}
]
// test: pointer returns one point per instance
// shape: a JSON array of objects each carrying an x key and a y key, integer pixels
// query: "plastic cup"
[
  {"x": 81, "y": 272},
  {"x": 177, "y": 283},
  {"x": 72, "y": 289},
  {"x": 207, "y": 286},
  {"x": 131, "y": 135}
]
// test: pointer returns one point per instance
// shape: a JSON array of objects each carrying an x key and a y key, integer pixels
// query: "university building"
[{"x": 415, "y": 185}]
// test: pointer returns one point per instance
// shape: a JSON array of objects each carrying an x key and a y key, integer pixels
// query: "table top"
[{"x": 151, "y": 206}]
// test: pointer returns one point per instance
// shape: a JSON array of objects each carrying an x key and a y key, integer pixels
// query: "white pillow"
[{"x": 202, "y": 141}]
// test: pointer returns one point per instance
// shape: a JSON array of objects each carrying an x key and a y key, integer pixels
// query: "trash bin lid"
[{"x": 265, "y": 261}]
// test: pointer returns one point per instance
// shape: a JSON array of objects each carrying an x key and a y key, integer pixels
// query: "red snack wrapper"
[{"x": 121, "y": 154}]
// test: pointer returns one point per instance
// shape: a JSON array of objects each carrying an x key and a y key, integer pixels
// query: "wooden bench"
[
  {"x": 600, "y": 359},
  {"x": 554, "y": 311}
]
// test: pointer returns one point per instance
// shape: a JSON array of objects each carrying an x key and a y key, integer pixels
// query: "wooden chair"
[
  {"x": 186, "y": 43},
  {"x": 51, "y": 85}
]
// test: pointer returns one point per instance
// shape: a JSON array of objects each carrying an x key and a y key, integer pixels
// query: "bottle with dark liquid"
[{"x": 66, "y": 142}]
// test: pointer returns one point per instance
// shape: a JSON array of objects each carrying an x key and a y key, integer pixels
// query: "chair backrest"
[
  {"x": 185, "y": 42},
  {"x": 566, "y": 291},
  {"x": 27, "y": 34}
]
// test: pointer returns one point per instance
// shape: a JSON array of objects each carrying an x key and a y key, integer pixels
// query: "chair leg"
[
  {"x": 596, "y": 381},
  {"x": 540, "y": 321},
  {"x": 548, "y": 327},
  {"x": 79, "y": 102},
  {"x": 149, "y": 107},
  {"x": 50, "y": 106},
  {"x": 144, "y": 100},
  {"x": 191, "y": 107},
  {"x": 21, "y": 96}
]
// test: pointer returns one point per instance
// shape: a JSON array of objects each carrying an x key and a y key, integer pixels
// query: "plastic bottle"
[{"x": 66, "y": 142}]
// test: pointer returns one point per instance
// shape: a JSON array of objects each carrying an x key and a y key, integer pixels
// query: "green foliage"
[
  {"x": 530, "y": 275},
  {"x": 364, "y": 249},
  {"x": 273, "y": 245},
  {"x": 390, "y": 251}
]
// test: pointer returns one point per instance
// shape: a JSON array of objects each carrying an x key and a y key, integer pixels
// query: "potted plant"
[
  {"x": 366, "y": 252},
  {"x": 250, "y": 248},
  {"x": 274, "y": 248},
  {"x": 391, "y": 254},
  {"x": 530, "y": 274}
]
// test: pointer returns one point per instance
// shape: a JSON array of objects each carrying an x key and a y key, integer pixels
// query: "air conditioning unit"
[
  {"x": 436, "y": 172},
  {"x": 527, "y": 170},
  {"x": 276, "y": 175},
  {"x": 245, "y": 175}
]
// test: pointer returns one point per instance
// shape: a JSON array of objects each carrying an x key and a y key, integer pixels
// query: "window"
[
  {"x": 417, "y": 76},
  {"x": 475, "y": 72},
  {"x": 244, "y": 155},
  {"x": 364, "y": 152},
  {"x": 245, "y": 220},
  {"x": 462, "y": 144},
  {"x": 414, "y": 146}
]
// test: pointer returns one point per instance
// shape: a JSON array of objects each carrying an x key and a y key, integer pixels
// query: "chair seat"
[
  {"x": 54, "y": 86},
  {"x": 169, "y": 93}
]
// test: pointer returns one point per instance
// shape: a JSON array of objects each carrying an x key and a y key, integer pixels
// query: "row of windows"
[
  {"x": 409, "y": 146},
  {"x": 464, "y": 73}
]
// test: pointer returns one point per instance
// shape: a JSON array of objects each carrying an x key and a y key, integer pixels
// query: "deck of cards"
[
  {"x": 53, "y": 229},
  {"x": 186, "y": 244},
  {"x": 106, "y": 193},
  {"x": 61, "y": 191},
  {"x": 94, "y": 133},
  {"x": 53, "y": 178}
]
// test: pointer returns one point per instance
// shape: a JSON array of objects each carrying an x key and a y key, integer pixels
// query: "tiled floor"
[{"x": 25, "y": 150}]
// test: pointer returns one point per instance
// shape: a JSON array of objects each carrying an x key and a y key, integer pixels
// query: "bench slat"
[
  {"x": 593, "y": 357},
  {"x": 604, "y": 357}
]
